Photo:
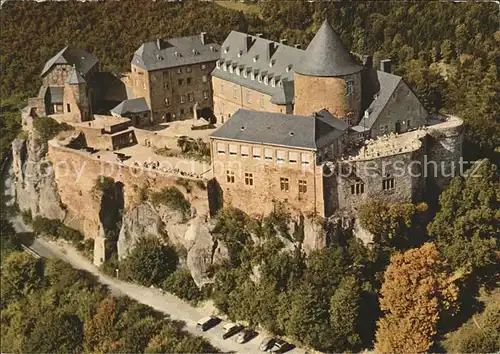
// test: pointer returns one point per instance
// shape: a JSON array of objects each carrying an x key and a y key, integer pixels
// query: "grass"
[{"x": 239, "y": 6}]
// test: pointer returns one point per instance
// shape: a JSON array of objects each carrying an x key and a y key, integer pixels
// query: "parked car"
[
  {"x": 207, "y": 322},
  {"x": 266, "y": 344},
  {"x": 279, "y": 346},
  {"x": 246, "y": 335},
  {"x": 230, "y": 329}
]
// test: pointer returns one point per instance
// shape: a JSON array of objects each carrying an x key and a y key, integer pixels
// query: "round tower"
[{"x": 328, "y": 78}]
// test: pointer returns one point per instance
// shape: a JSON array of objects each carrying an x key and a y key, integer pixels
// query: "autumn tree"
[{"x": 417, "y": 290}]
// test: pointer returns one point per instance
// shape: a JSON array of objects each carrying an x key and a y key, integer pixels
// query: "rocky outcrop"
[
  {"x": 35, "y": 185},
  {"x": 194, "y": 235}
]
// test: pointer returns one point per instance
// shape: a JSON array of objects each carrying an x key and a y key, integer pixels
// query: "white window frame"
[
  {"x": 244, "y": 151},
  {"x": 221, "y": 148},
  {"x": 233, "y": 149},
  {"x": 256, "y": 153}
]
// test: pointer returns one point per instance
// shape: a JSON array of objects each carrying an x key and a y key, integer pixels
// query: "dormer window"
[
  {"x": 271, "y": 63},
  {"x": 252, "y": 75},
  {"x": 288, "y": 68},
  {"x": 255, "y": 58},
  {"x": 159, "y": 57},
  {"x": 238, "y": 71},
  {"x": 259, "y": 78},
  {"x": 273, "y": 82},
  {"x": 367, "y": 114},
  {"x": 245, "y": 73},
  {"x": 280, "y": 83},
  {"x": 217, "y": 64},
  {"x": 240, "y": 53},
  {"x": 266, "y": 80},
  {"x": 226, "y": 50},
  {"x": 231, "y": 69},
  {"x": 225, "y": 67}
]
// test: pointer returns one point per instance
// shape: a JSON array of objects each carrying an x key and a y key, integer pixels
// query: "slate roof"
[
  {"x": 280, "y": 129},
  {"x": 387, "y": 84},
  {"x": 82, "y": 60},
  {"x": 135, "y": 105},
  {"x": 326, "y": 55},
  {"x": 75, "y": 77},
  {"x": 56, "y": 94},
  {"x": 173, "y": 52},
  {"x": 255, "y": 54}
]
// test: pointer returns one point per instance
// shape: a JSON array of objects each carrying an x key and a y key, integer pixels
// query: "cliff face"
[{"x": 34, "y": 179}]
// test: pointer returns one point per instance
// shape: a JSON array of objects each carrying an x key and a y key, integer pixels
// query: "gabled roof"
[
  {"x": 262, "y": 57},
  {"x": 82, "y": 60},
  {"x": 75, "y": 78},
  {"x": 388, "y": 84},
  {"x": 307, "y": 132},
  {"x": 135, "y": 105},
  {"x": 326, "y": 55},
  {"x": 172, "y": 52}
]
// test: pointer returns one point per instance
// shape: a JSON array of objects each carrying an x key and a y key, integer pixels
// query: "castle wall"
[
  {"x": 229, "y": 97},
  {"x": 406, "y": 170},
  {"x": 76, "y": 173},
  {"x": 404, "y": 108},
  {"x": 314, "y": 93},
  {"x": 261, "y": 196}
]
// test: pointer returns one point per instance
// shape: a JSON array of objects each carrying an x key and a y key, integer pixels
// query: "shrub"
[
  {"x": 48, "y": 127},
  {"x": 55, "y": 228},
  {"x": 26, "y": 216},
  {"x": 182, "y": 284},
  {"x": 172, "y": 197}
]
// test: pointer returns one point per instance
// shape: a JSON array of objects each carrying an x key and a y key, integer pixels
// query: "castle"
[{"x": 318, "y": 131}]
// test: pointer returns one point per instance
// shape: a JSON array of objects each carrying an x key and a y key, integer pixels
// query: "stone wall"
[
  {"x": 226, "y": 104},
  {"x": 76, "y": 173},
  {"x": 57, "y": 75},
  {"x": 158, "y": 85},
  {"x": 314, "y": 93},
  {"x": 265, "y": 191}
]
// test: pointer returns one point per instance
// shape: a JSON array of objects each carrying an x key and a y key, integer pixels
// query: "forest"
[{"x": 433, "y": 262}]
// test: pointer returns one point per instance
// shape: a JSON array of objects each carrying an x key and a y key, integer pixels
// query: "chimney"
[
  {"x": 159, "y": 43},
  {"x": 283, "y": 41},
  {"x": 367, "y": 61},
  {"x": 258, "y": 35},
  {"x": 298, "y": 46},
  {"x": 386, "y": 66},
  {"x": 202, "y": 37}
]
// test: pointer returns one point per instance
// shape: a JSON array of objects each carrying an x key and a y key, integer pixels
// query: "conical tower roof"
[{"x": 326, "y": 55}]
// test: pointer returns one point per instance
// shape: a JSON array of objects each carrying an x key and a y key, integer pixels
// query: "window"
[
  {"x": 268, "y": 154},
  {"x": 179, "y": 70},
  {"x": 235, "y": 92},
  {"x": 302, "y": 187},
  {"x": 388, "y": 183},
  {"x": 305, "y": 158},
  {"x": 68, "y": 107},
  {"x": 357, "y": 188},
  {"x": 256, "y": 152},
  {"x": 190, "y": 97},
  {"x": 408, "y": 124},
  {"x": 249, "y": 179},
  {"x": 180, "y": 82},
  {"x": 249, "y": 97},
  {"x": 292, "y": 157},
  {"x": 349, "y": 87},
  {"x": 189, "y": 80},
  {"x": 232, "y": 149},
  {"x": 167, "y": 102},
  {"x": 245, "y": 73},
  {"x": 230, "y": 176},
  {"x": 203, "y": 66},
  {"x": 384, "y": 129},
  {"x": 183, "y": 98},
  {"x": 205, "y": 95},
  {"x": 244, "y": 151},
  {"x": 204, "y": 78},
  {"x": 165, "y": 85},
  {"x": 262, "y": 101},
  {"x": 188, "y": 69},
  {"x": 182, "y": 111},
  {"x": 284, "y": 184},
  {"x": 280, "y": 156}
]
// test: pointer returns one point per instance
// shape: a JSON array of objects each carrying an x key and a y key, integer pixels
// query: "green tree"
[
  {"x": 467, "y": 226},
  {"x": 181, "y": 283},
  {"x": 344, "y": 313},
  {"x": 150, "y": 262},
  {"x": 9, "y": 242}
]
